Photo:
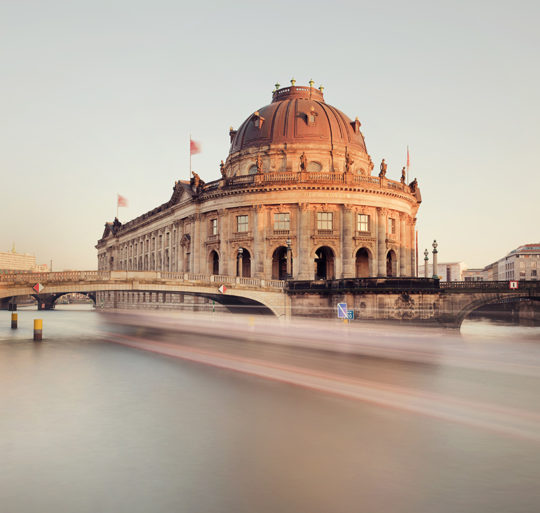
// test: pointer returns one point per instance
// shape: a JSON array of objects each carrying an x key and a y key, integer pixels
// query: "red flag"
[
  {"x": 408, "y": 160},
  {"x": 194, "y": 147},
  {"x": 122, "y": 202}
]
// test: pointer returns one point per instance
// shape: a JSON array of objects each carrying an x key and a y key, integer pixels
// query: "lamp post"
[
  {"x": 240, "y": 261},
  {"x": 289, "y": 259},
  {"x": 425, "y": 262},
  {"x": 435, "y": 276}
]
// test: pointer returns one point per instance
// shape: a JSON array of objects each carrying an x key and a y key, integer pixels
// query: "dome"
[{"x": 298, "y": 115}]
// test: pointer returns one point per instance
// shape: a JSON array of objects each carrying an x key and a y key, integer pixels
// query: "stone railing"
[
  {"x": 500, "y": 286},
  {"x": 30, "y": 279},
  {"x": 64, "y": 276},
  {"x": 280, "y": 177}
]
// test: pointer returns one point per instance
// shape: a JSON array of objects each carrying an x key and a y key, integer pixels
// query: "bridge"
[
  {"x": 417, "y": 300},
  {"x": 259, "y": 296},
  {"x": 421, "y": 300}
]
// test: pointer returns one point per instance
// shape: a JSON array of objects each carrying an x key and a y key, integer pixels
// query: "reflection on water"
[
  {"x": 91, "y": 426},
  {"x": 493, "y": 330}
]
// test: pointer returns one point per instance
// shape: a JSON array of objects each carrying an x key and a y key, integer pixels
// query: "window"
[
  {"x": 363, "y": 223},
  {"x": 241, "y": 223},
  {"x": 282, "y": 221},
  {"x": 533, "y": 272},
  {"x": 324, "y": 220},
  {"x": 522, "y": 274},
  {"x": 213, "y": 227},
  {"x": 391, "y": 226}
]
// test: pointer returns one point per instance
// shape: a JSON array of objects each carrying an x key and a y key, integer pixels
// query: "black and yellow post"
[
  {"x": 38, "y": 329},
  {"x": 14, "y": 320}
]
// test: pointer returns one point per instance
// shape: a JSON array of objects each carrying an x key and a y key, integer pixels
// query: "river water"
[{"x": 89, "y": 425}]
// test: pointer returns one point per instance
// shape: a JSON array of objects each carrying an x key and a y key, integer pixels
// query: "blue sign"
[
  {"x": 342, "y": 310},
  {"x": 350, "y": 315}
]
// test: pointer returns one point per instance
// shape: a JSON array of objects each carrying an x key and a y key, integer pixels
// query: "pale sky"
[{"x": 99, "y": 97}]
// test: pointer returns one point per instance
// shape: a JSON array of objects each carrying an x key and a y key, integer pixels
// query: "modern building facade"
[
  {"x": 521, "y": 263},
  {"x": 22, "y": 262},
  {"x": 297, "y": 198}
]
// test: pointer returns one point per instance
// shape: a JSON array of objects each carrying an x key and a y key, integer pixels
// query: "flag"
[
  {"x": 194, "y": 147},
  {"x": 408, "y": 159},
  {"x": 122, "y": 202}
]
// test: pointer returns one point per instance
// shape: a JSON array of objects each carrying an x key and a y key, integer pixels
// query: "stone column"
[
  {"x": 403, "y": 238},
  {"x": 347, "y": 231},
  {"x": 381, "y": 242},
  {"x": 240, "y": 258},
  {"x": 412, "y": 227},
  {"x": 223, "y": 230},
  {"x": 305, "y": 266},
  {"x": 259, "y": 253},
  {"x": 435, "y": 254},
  {"x": 196, "y": 243}
]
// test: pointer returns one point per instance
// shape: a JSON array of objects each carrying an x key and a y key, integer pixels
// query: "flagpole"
[
  {"x": 116, "y": 205},
  {"x": 189, "y": 177},
  {"x": 407, "y": 163}
]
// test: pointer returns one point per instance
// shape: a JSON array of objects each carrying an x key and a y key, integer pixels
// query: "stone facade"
[{"x": 297, "y": 199}]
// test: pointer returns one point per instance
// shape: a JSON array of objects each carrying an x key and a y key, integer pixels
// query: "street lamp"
[
  {"x": 426, "y": 253},
  {"x": 435, "y": 276}
]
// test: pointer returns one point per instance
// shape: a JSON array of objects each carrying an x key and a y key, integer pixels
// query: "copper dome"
[{"x": 298, "y": 115}]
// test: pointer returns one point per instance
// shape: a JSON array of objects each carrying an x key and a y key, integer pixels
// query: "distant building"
[
  {"x": 520, "y": 264},
  {"x": 13, "y": 261},
  {"x": 476, "y": 275},
  {"x": 446, "y": 271}
]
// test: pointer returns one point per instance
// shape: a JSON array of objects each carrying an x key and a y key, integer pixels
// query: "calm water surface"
[{"x": 92, "y": 426}]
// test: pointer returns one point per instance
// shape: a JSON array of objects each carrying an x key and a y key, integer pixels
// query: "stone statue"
[
  {"x": 413, "y": 185},
  {"x": 196, "y": 182},
  {"x": 259, "y": 164},
  {"x": 222, "y": 169},
  {"x": 403, "y": 178},
  {"x": 348, "y": 162},
  {"x": 382, "y": 174},
  {"x": 303, "y": 162}
]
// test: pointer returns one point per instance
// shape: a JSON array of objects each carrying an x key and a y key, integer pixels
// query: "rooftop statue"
[
  {"x": 303, "y": 162},
  {"x": 403, "y": 176},
  {"x": 382, "y": 174},
  {"x": 348, "y": 162},
  {"x": 259, "y": 164},
  {"x": 222, "y": 169},
  {"x": 196, "y": 182}
]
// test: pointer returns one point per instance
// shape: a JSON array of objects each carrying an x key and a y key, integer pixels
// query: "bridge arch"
[{"x": 493, "y": 300}]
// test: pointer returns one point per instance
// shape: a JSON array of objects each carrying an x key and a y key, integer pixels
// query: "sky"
[{"x": 99, "y": 98}]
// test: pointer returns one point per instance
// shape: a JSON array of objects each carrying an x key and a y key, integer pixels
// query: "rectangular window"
[
  {"x": 324, "y": 221},
  {"x": 363, "y": 223},
  {"x": 241, "y": 223},
  {"x": 533, "y": 272},
  {"x": 213, "y": 227},
  {"x": 391, "y": 226},
  {"x": 282, "y": 221}
]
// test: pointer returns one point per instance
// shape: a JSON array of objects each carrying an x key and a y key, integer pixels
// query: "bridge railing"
[
  {"x": 490, "y": 285},
  {"x": 30, "y": 279},
  {"x": 63, "y": 276}
]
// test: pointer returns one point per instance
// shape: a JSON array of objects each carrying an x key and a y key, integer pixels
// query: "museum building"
[{"x": 296, "y": 199}]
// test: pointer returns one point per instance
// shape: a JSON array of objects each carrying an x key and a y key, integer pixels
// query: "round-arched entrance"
[
  {"x": 391, "y": 263},
  {"x": 213, "y": 262},
  {"x": 243, "y": 263},
  {"x": 279, "y": 263},
  {"x": 362, "y": 263},
  {"x": 324, "y": 263}
]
